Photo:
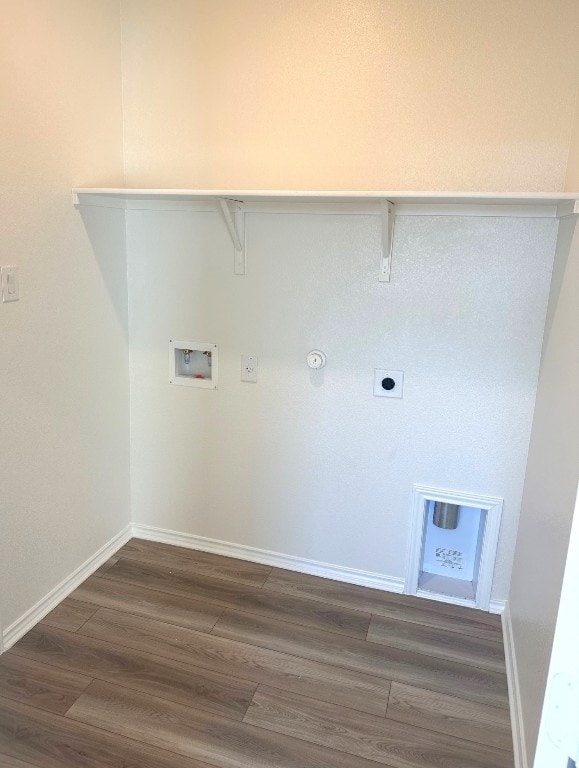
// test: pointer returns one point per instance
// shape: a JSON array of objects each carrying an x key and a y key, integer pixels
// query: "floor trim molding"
[
  {"x": 497, "y": 606},
  {"x": 514, "y": 692},
  {"x": 252, "y": 554},
  {"x": 33, "y": 615},
  {"x": 276, "y": 559}
]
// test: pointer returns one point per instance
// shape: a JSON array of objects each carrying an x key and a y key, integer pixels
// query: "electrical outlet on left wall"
[{"x": 10, "y": 287}]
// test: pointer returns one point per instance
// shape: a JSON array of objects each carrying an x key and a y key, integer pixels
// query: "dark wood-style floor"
[{"x": 171, "y": 658}]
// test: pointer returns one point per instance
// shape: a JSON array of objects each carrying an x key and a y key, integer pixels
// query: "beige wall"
[
  {"x": 369, "y": 94},
  {"x": 551, "y": 478},
  {"x": 572, "y": 180},
  {"x": 550, "y": 487},
  {"x": 63, "y": 346}
]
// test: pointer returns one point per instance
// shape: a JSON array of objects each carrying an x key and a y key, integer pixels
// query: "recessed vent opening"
[{"x": 453, "y": 546}]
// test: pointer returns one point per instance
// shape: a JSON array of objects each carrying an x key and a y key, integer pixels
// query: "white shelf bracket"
[
  {"x": 234, "y": 217},
  {"x": 388, "y": 215}
]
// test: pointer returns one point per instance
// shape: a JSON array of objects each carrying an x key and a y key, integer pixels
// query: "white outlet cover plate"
[
  {"x": 249, "y": 368},
  {"x": 387, "y": 373},
  {"x": 10, "y": 287}
]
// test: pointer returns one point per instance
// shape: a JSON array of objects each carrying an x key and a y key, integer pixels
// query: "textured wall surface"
[
  {"x": 347, "y": 94},
  {"x": 572, "y": 181},
  {"x": 63, "y": 346},
  {"x": 550, "y": 487},
  {"x": 311, "y": 464}
]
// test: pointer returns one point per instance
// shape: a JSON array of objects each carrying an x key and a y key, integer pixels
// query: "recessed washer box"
[{"x": 193, "y": 363}]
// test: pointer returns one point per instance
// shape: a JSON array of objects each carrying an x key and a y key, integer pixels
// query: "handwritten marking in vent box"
[{"x": 450, "y": 558}]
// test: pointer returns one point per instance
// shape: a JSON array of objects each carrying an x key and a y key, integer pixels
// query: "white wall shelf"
[
  {"x": 234, "y": 204},
  {"x": 545, "y": 204}
]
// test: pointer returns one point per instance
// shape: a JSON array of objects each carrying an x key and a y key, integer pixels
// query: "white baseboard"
[
  {"x": 252, "y": 554},
  {"x": 519, "y": 747},
  {"x": 289, "y": 562},
  {"x": 20, "y": 627},
  {"x": 497, "y": 606},
  {"x": 276, "y": 559}
]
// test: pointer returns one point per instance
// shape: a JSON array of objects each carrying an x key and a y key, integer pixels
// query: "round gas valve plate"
[{"x": 316, "y": 359}]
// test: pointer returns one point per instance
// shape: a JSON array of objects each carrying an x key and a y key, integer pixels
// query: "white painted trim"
[
  {"x": 94, "y": 201},
  {"x": 252, "y": 554},
  {"x": 368, "y": 208},
  {"x": 197, "y": 206},
  {"x": 276, "y": 559},
  {"x": 205, "y": 202},
  {"x": 517, "y": 725},
  {"x": 388, "y": 216},
  {"x": 33, "y": 615},
  {"x": 497, "y": 606},
  {"x": 567, "y": 208},
  {"x": 233, "y": 214},
  {"x": 493, "y": 507},
  {"x": 528, "y": 211},
  {"x": 142, "y": 204},
  {"x": 346, "y": 196},
  {"x": 362, "y": 208}
]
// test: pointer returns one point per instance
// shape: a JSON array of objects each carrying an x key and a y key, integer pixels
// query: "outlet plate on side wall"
[
  {"x": 10, "y": 287},
  {"x": 249, "y": 368}
]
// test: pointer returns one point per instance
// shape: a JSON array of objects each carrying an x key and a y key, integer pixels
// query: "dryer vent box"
[
  {"x": 193, "y": 364},
  {"x": 453, "y": 546}
]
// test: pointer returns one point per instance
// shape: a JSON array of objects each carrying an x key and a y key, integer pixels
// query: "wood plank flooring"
[{"x": 172, "y": 658}]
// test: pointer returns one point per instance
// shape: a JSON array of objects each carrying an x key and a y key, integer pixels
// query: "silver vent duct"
[{"x": 445, "y": 515}]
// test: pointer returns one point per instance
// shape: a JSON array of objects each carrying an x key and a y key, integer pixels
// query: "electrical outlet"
[
  {"x": 10, "y": 288},
  {"x": 249, "y": 368}
]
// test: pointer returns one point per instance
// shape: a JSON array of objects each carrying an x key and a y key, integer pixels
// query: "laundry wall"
[
  {"x": 376, "y": 94},
  {"x": 572, "y": 180},
  {"x": 349, "y": 94},
  {"x": 311, "y": 464},
  {"x": 550, "y": 484},
  {"x": 64, "y": 488}
]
